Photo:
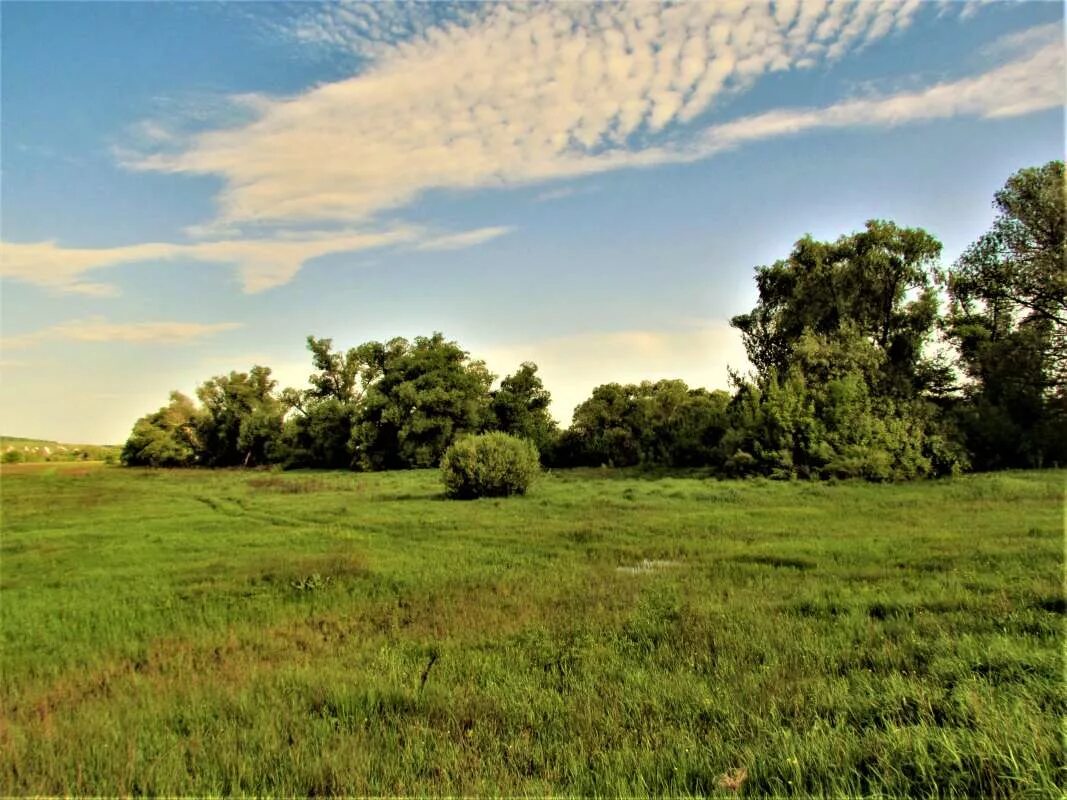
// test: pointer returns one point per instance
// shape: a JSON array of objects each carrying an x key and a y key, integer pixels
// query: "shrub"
[
  {"x": 14, "y": 457},
  {"x": 490, "y": 465}
]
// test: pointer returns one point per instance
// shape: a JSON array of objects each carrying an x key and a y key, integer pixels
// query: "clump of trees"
[
  {"x": 664, "y": 423},
  {"x": 381, "y": 405},
  {"x": 869, "y": 360},
  {"x": 168, "y": 437},
  {"x": 843, "y": 382}
]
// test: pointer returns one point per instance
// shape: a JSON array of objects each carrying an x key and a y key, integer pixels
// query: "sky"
[{"x": 190, "y": 188}]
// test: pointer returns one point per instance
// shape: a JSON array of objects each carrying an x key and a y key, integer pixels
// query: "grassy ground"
[{"x": 231, "y": 632}]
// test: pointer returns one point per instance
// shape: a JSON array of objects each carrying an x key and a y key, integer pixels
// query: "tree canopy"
[
  {"x": 664, "y": 422},
  {"x": 419, "y": 396},
  {"x": 878, "y": 283},
  {"x": 1008, "y": 322}
]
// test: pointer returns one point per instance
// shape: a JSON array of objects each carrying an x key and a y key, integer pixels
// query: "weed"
[{"x": 312, "y": 583}]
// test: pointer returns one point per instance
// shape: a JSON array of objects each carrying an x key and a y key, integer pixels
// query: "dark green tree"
[
  {"x": 605, "y": 428},
  {"x": 654, "y": 423},
  {"x": 241, "y": 419},
  {"x": 165, "y": 438},
  {"x": 418, "y": 397},
  {"x": 1008, "y": 320},
  {"x": 520, "y": 408},
  {"x": 879, "y": 282},
  {"x": 318, "y": 429}
]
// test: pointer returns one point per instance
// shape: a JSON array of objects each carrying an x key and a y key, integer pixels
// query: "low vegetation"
[
  {"x": 489, "y": 465},
  {"x": 613, "y": 632}
]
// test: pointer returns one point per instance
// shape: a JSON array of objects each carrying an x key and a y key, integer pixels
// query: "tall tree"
[
  {"x": 241, "y": 420},
  {"x": 337, "y": 375},
  {"x": 520, "y": 407},
  {"x": 839, "y": 339},
  {"x": 318, "y": 430},
  {"x": 165, "y": 438},
  {"x": 878, "y": 282},
  {"x": 1008, "y": 320},
  {"x": 418, "y": 397}
]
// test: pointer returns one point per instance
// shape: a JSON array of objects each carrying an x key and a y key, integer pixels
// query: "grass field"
[{"x": 612, "y": 633}]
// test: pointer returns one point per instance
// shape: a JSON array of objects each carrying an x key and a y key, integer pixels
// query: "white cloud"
[
  {"x": 45, "y": 264},
  {"x": 504, "y": 95},
  {"x": 1032, "y": 83},
  {"x": 459, "y": 241},
  {"x": 100, "y": 330},
  {"x": 1028, "y": 39},
  {"x": 550, "y": 195},
  {"x": 262, "y": 263},
  {"x": 572, "y": 366}
]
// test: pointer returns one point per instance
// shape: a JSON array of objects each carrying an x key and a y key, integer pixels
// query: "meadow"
[{"x": 614, "y": 632}]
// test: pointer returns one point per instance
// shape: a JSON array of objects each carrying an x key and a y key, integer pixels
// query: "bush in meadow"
[{"x": 490, "y": 465}]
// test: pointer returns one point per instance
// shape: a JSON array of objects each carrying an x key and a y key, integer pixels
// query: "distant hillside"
[{"x": 16, "y": 449}]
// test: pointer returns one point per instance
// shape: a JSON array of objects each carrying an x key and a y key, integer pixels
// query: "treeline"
[
  {"x": 869, "y": 361},
  {"x": 382, "y": 405}
]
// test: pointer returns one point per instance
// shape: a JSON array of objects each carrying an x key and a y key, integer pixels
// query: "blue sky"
[{"x": 190, "y": 188}]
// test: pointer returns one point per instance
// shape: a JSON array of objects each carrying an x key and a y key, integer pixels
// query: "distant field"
[
  {"x": 18, "y": 449},
  {"x": 322, "y": 633}
]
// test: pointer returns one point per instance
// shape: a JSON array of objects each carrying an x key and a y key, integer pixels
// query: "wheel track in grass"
[{"x": 241, "y": 509}]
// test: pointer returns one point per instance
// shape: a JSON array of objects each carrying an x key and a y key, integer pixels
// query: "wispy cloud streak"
[
  {"x": 98, "y": 329},
  {"x": 262, "y": 263}
]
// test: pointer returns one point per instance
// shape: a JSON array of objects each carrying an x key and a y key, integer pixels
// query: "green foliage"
[
  {"x": 318, "y": 430},
  {"x": 843, "y": 385},
  {"x": 520, "y": 407},
  {"x": 13, "y": 457},
  {"x": 167, "y": 438},
  {"x": 489, "y": 465},
  {"x": 1009, "y": 322},
  {"x": 419, "y": 397},
  {"x": 318, "y": 434},
  {"x": 846, "y": 382},
  {"x": 664, "y": 423},
  {"x": 377, "y": 406},
  {"x": 822, "y": 419},
  {"x": 877, "y": 283},
  {"x": 240, "y": 423},
  {"x": 165, "y": 635},
  {"x": 336, "y": 376}
]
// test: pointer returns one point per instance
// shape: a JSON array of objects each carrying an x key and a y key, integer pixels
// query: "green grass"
[{"x": 198, "y": 632}]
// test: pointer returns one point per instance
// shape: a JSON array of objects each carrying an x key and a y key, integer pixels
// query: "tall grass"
[{"x": 612, "y": 633}]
